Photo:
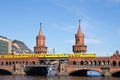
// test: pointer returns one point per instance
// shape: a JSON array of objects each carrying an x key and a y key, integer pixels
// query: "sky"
[{"x": 100, "y": 22}]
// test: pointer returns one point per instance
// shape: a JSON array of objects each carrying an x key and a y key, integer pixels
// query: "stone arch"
[
  {"x": 26, "y": 63},
  {"x": 10, "y": 63},
  {"x": 2, "y": 63},
  {"x": 23, "y": 62},
  {"x": 94, "y": 63},
  {"x": 16, "y": 62},
  {"x": 99, "y": 63},
  {"x": 80, "y": 72},
  {"x": 108, "y": 63},
  {"x": 5, "y": 72},
  {"x": 116, "y": 73},
  {"x": 74, "y": 63},
  {"x": 6, "y": 63},
  {"x": 13, "y": 62},
  {"x": 103, "y": 62},
  {"x": 114, "y": 63},
  {"x": 33, "y": 63},
  {"x": 82, "y": 63},
  {"x": 90, "y": 63}
]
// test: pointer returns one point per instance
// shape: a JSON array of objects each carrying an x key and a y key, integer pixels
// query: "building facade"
[
  {"x": 5, "y": 45},
  {"x": 40, "y": 43},
  {"x": 79, "y": 46}
]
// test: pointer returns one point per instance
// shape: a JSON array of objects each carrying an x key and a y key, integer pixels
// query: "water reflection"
[{"x": 24, "y": 77}]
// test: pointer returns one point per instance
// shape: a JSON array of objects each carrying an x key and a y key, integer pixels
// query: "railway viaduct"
[{"x": 106, "y": 66}]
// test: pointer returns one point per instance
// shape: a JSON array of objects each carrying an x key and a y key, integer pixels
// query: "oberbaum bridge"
[{"x": 75, "y": 64}]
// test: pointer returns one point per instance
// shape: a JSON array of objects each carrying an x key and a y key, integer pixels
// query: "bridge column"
[
  {"x": 61, "y": 68},
  {"x": 18, "y": 69},
  {"x": 106, "y": 71}
]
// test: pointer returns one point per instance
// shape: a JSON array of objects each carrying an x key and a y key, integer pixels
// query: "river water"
[{"x": 24, "y": 77}]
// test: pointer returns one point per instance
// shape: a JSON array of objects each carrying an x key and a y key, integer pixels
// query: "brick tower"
[
  {"x": 40, "y": 43},
  {"x": 79, "y": 46}
]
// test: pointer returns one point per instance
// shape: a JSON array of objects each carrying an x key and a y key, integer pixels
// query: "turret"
[
  {"x": 40, "y": 42},
  {"x": 79, "y": 46}
]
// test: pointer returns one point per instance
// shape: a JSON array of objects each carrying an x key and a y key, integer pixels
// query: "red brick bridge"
[{"x": 106, "y": 66}]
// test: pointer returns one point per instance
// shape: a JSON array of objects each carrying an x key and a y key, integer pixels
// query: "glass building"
[{"x": 5, "y": 45}]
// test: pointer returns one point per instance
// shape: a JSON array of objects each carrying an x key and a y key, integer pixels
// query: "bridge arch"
[
  {"x": 99, "y": 63},
  {"x": 83, "y": 72},
  {"x": 74, "y": 62},
  {"x": 114, "y": 63},
  {"x": 5, "y": 72},
  {"x": 116, "y": 73},
  {"x": 33, "y": 63},
  {"x": 81, "y": 62}
]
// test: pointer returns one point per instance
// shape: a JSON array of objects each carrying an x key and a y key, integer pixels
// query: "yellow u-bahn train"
[{"x": 48, "y": 55}]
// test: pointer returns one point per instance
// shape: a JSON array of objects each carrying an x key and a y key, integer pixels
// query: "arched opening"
[
  {"x": 94, "y": 63},
  {"x": 114, "y": 63},
  {"x": 85, "y": 72},
  {"x": 116, "y": 74},
  {"x": 90, "y": 63},
  {"x": 5, "y": 72},
  {"x": 20, "y": 62},
  {"x": 26, "y": 62},
  {"x": 108, "y": 62},
  {"x": 78, "y": 40},
  {"x": 74, "y": 62},
  {"x": 33, "y": 62},
  {"x": 6, "y": 63},
  {"x": 103, "y": 63},
  {"x": 23, "y": 62},
  {"x": 13, "y": 62},
  {"x": 2, "y": 63},
  {"x": 99, "y": 63},
  {"x": 16, "y": 62},
  {"x": 81, "y": 63},
  {"x": 9, "y": 63}
]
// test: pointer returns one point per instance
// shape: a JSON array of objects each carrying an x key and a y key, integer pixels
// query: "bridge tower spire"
[
  {"x": 79, "y": 46},
  {"x": 40, "y": 42}
]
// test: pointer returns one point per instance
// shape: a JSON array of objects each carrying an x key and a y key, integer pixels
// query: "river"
[{"x": 24, "y": 77}]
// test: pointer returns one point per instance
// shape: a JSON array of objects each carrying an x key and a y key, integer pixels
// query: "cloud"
[{"x": 93, "y": 41}]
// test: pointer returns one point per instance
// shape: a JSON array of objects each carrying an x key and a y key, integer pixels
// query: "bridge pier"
[
  {"x": 106, "y": 71},
  {"x": 63, "y": 71},
  {"x": 18, "y": 69},
  {"x": 107, "y": 74},
  {"x": 60, "y": 69}
]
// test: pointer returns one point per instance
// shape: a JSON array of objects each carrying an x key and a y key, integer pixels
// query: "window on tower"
[{"x": 78, "y": 39}]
